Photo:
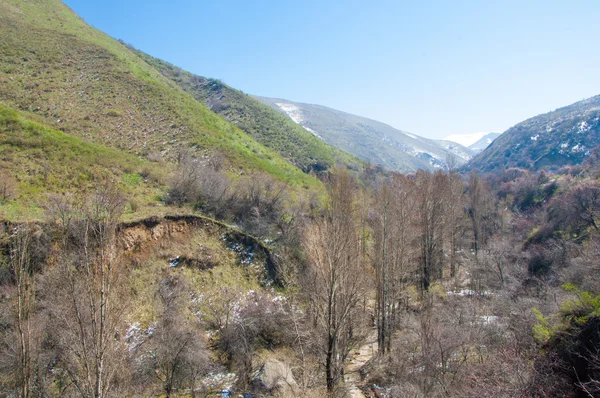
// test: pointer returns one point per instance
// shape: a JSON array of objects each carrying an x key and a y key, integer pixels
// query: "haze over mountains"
[
  {"x": 369, "y": 139},
  {"x": 483, "y": 142},
  {"x": 474, "y": 141}
]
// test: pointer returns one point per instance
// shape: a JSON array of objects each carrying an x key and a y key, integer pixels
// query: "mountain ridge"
[
  {"x": 564, "y": 136},
  {"x": 78, "y": 80},
  {"x": 363, "y": 137},
  {"x": 264, "y": 124}
]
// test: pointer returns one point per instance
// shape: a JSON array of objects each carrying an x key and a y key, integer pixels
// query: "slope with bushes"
[
  {"x": 78, "y": 80},
  {"x": 267, "y": 126},
  {"x": 36, "y": 161},
  {"x": 562, "y": 137}
]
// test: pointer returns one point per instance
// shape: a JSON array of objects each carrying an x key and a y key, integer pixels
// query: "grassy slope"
[
  {"x": 80, "y": 81},
  {"x": 267, "y": 126},
  {"x": 40, "y": 160}
]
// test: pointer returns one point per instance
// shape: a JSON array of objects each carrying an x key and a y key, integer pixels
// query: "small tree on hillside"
[{"x": 87, "y": 307}]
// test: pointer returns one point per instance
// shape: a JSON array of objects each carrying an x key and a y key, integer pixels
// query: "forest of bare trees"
[{"x": 469, "y": 286}]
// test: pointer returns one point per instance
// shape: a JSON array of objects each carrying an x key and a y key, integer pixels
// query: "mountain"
[
  {"x": 461, "y": 153},
  {"x": 265, "y": 125},
  {"x": 75, "y": 81},
  {"x": 368, "y": 139},
  {"x": 466, "y": 139},
  {"x": 562, "y": 137},
  {"x": 483, "y": 142}
]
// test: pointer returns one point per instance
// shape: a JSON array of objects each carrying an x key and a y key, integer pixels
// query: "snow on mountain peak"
[{"x": 467, "y": 139}]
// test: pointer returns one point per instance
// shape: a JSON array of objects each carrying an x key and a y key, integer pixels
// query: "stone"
[{"x": 274, "y": 376}]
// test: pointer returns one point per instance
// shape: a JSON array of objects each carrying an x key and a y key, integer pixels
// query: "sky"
[{"x": 432, "y": 68}]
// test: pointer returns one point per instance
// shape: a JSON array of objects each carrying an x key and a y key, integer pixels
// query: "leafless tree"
[
  {"x": 393, "y": 237},
  {"x": 22, "y": 344},
  {"x": 431, "y": 201},
  {"x": 185, "y": 182},
  {"x": 455, "y": 208},
  {"x": 7, "y": 186},
  {"x": 175, "y": 352},
  {"x": 337, "y": 275},
  {"x": 480, "y": 210},
  {"x": 87, "y": 304}
]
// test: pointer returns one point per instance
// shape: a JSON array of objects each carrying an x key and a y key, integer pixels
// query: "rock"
[{"x": 274, "y": 375}]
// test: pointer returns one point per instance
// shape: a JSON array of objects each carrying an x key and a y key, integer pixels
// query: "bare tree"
[
  {"x": 184, "y": 184},
  {"x": 87, "y": 306},
  {"x": 175, "y": 352},
  {"x": 455, "y": 208},
  {"x": 480, "y": 210},
  {"x": 431, "y": 198},
  {"x": 337, "y": 275},
  {"x": 24, "y": 333},
  {"x": 393, "y": 236}
]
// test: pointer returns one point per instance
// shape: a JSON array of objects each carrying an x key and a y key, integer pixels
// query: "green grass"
[
  {"x": 75, "y": 79},
  {"x": 42, "y": 160}
]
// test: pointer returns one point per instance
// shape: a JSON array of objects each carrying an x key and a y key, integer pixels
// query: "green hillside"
[
  {"x": 270, "y": 128},
  {"x": 36, "y": 161},
  {"x": 78, "y": 80}
]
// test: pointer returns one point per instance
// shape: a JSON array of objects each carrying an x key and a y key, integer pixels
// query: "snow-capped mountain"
[
  {"x": 561, "y": 137},
  {"x": 369, "y": 139},
  {"x": 484, "y": 142}
]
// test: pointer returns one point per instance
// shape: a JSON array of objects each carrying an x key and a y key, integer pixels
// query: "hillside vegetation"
[
  {"x": 286, "y": 138},
  {"x": 562, "y": 137},
  {"x": 150, "y": 247},
  {"x": 36, "y": 161},
  {"x": 78, "y": 80}
]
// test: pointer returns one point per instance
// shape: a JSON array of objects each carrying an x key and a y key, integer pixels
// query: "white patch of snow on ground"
[
  {"x": 488, "y": 319},
  {"x": 295, "y": 113},
  {"x": 578, "y": 148},
  {"x": 535, "y": 137},
  {"x": 411, "y": 136},
  {"x": 291, "y": 110},
  {"x": 312, "y": 131},
  {"x": 219, "y": 381},
  {"x": 467, "y": 292},
  {"x": 135, "y": 336},
  {"x": 583, "y": 127},
  {"x": 456, "y": 150},
  {"x": 564, "y": 145}
]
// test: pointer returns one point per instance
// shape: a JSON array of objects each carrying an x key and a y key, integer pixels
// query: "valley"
[{"x": 164, "y": 234}]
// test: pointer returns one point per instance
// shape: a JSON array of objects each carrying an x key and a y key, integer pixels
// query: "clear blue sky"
[{"x": 433, "y": 68}]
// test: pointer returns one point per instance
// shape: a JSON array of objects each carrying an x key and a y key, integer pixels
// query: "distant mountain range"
[
  {"x": 369, "y": 139},
  {"x": 561, "y": 137},
  {"x": 483, "y": 142}
]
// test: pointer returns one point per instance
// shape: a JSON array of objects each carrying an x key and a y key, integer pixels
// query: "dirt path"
[{"x": 357, "y": 359}]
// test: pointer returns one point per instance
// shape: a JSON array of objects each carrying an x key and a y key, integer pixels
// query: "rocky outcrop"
[
  {"x": 274, "y": 376},
  {"x": 138, "y": 236}
]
